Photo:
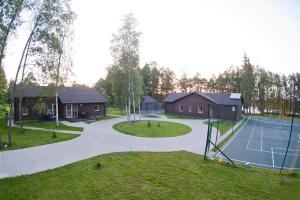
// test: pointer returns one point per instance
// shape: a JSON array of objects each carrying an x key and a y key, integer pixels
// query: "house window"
[
  {"x": 233, "y": 109},
  {"x": 190, "y": 108},
  {"x": 52, "y": 110},
  {"x": 96, "y": 108},
  {"x": 24, "y": 111},
  {"x": 200, "y": 109},
  {"x": 180, "y": 108}
]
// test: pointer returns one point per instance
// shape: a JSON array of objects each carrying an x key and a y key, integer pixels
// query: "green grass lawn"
[
  {"x": 30, "y": 138},
  {"x": 115, "y": 111},
  {"x": 51, "y": 125},
  {"x": 156, "y": 129},
  {"x": 174, "y": 175},
  {"x": 224, "y": 125},
  {"x": 173, "y": 116}
]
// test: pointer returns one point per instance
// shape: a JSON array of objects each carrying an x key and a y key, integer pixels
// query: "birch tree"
[
  {"x": 43, "y": 45},
  {"x": 53, "y": 50},
  {"x": 125, "y": 52},
  {"x": 10, "y": 19}
]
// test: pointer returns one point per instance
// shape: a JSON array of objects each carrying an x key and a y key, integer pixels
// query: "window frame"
[
  {"x": 190, "y": 107},
  {"x": 200, "y": 111},
  {"x": 98, "y": 108},
  {"x": 52, "y": 110},
  {"x": 24, "y": 113},
  {"x": 180, "y": 108},
  {"x": 233, "y": 109}
]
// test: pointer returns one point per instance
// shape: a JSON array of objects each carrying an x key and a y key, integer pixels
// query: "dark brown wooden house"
[
  {"x": 73, "y": 103},
  {"x": 223, "y": 105}
]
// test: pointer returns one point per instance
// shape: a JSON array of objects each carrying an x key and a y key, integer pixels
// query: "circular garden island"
[{"x": 152, "y": 128}]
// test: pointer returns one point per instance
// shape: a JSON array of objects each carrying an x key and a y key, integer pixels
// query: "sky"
[{"x": 188, "y": 36}]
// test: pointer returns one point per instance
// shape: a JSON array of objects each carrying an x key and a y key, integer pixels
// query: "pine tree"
[{"x": 248, "y": 84}]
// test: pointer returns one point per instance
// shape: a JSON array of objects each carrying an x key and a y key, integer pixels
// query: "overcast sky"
[{"x": 186, "y": 36}]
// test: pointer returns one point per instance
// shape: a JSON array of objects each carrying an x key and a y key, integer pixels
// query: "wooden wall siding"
[
  {"x": 33, "y": 115},
  {"x": 29, "y": 103},
  {"x": 88, "y": 109},
  {"x": 193, "y": 100},
  {"x": 227, "y": 113},
  {"x": 169, "y": 107}
]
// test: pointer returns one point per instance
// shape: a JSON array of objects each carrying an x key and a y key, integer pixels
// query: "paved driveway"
[{"x": 98, "y": 138}]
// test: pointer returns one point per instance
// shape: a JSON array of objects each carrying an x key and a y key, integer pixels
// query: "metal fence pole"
[
  {"x": 208, "y": 131},
  {"x": 291, "y": 130},
  {"x": 288, "y": 145}
]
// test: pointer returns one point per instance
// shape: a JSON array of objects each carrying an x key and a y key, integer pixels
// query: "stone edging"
[{"x": 48, "y": 130}]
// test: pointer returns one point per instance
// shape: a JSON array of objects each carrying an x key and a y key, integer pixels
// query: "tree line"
[{"x": 263, "y": 91}]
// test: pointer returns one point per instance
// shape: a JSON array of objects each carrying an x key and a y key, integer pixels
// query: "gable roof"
[
  {"x": 174, "y": 97},
  {"x": 80, "y": 95},
  {"x": 222, "y": 98},
  {"x": 37, "y": 91},
  {"x": 149, "y": 99},
  {"x": 66, "y": 94},
  {"x": 217, "y": 98}
]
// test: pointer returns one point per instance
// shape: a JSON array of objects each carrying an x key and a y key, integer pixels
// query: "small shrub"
[
  {"x": 54, "y": 134},
  {"x": 98, "y": 165},
  {"x": 1, "y": 144},
  {"x": 149, "y": 123},
  {"x": 158, "y": 123}
]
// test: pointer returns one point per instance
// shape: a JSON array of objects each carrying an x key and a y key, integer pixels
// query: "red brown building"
[
  {"x": 223, "y": 105},
  {"x": 73, "y": 103}
]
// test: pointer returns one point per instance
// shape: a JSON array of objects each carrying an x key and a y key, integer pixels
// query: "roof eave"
[{"x": 70, "y": 102}]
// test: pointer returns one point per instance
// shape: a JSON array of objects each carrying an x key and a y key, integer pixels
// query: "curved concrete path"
[{"x": 98, "y": 138}]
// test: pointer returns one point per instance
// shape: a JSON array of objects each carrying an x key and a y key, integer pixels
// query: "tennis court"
[{"x": 263, "y": 143}]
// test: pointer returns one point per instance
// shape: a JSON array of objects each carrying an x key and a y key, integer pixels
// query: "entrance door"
[
  {"x": 71, "y": 111},
  {"x": 74, "y": 110}
]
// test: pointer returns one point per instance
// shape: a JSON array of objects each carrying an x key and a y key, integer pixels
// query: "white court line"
[
  {"x": 231, "y": 139},
  {"x": 289, "y": 154},
  {"x": 251, "y": 135},
  {"x": 272, "y": 156},
  {"x": 296, "y": 150},
  {"x": 289, "y": 124}
]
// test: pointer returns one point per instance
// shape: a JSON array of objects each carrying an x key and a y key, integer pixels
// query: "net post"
[
  {"x": 218, "y": 124},
  {"x": 291, "y": 130},
  {"x": 288, "y": 145}
]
